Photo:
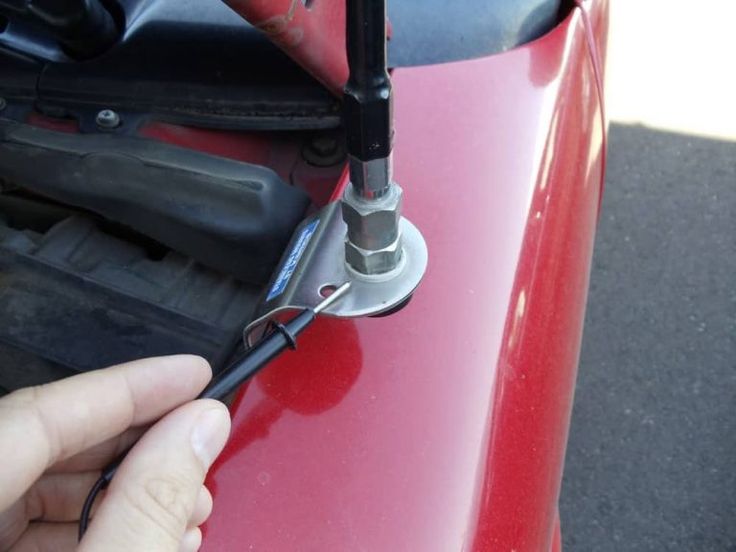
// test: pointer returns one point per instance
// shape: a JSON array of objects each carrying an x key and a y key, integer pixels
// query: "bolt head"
[
  {"x": 107, "y": 118},
  {"x": 324, "y": 145},
  {"x": 324, "y": 150}
]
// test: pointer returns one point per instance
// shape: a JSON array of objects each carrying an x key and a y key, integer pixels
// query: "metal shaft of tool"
[{"x": 372, "y": 202}]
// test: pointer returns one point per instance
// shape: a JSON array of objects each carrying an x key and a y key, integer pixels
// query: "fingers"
[
  {"x": 46, "y": 424},
  {"x": 202, "y": 508},
  {"x": 53, "y": 498},
  {"x": 48, "y": 537},
  {"x": 59, "y": 497},
  {"x": 154, "y": 494},
  {"x": 191, "y": 541},
  {"x": 100, "y": 455}
]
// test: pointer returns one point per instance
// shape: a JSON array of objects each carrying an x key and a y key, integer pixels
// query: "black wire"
[
  {"x": 99, "y": 485},
  {"x": 283, "y": 330},
  {"x": 281, "y": 337}
]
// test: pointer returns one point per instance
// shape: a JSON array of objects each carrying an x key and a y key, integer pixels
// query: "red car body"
[{"x": 443, "y": 427}]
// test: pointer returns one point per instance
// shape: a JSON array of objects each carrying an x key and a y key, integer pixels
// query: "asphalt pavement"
[{"x": 651, "y": 460}]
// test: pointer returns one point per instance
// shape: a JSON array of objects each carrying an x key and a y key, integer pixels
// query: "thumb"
[{"x": 153, "y": 494}]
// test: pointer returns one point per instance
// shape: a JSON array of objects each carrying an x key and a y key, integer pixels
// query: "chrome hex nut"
[
  {"x": 372, "y": 224},
  {"x": 373, "y": 261}
]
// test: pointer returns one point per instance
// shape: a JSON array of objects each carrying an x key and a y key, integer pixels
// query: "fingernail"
[
  {"x": 210, "y": 434},
  {"x": 191, "y": 541}
]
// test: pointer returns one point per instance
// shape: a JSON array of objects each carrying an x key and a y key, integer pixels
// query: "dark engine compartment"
[
  {"x": 101, "y": 264},
  {"x": 78, "y": 293}
]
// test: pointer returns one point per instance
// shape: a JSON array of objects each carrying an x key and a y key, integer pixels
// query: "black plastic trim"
[{"x": 229, "y": 215}]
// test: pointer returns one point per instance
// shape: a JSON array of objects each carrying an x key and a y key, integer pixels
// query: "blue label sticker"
[{"x": 292, "y": 260}]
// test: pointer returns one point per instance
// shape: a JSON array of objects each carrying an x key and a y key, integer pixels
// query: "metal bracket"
[{"x": 314, "y": 266}]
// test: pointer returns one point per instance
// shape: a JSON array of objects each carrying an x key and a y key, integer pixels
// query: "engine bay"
[{"x": 81, "y": 287}]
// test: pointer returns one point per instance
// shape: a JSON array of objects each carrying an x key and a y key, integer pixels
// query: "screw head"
[
  {"x": 3, "y": 104},
  {"x": 107, "y": 118},
  {"x": 323, "y": 151},
  {"x": 325, "y": 145}
]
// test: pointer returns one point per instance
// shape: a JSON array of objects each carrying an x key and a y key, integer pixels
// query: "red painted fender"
[{"x": 443, "y": 427}]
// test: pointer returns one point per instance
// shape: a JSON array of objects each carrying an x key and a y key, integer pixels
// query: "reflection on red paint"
[{"x": 70, "y": 126}]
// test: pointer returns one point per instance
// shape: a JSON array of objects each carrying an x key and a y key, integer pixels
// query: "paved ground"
[{"x": 651, "y": 462}]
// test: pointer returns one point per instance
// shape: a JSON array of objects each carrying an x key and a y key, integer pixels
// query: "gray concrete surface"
[{"x": 651, "y": 461}]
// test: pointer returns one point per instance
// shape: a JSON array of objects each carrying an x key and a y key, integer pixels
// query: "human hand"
[{"x": 54, "y": 439}]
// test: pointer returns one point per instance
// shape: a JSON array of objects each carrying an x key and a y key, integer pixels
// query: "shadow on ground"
[{"x": 651, "y": 461}]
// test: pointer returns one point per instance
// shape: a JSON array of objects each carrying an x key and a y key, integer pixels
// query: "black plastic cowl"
[{"x": 231, "y": 216}]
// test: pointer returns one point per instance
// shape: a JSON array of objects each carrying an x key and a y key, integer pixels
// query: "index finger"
[{"x": 40, "y": 426}]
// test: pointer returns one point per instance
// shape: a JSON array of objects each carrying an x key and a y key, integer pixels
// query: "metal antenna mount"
[
  {"x": 362, "y": 239},
  {"x": 371, "y": 206}
]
